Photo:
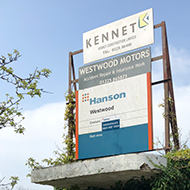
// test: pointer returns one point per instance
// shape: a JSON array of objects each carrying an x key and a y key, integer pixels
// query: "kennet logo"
[{"x": 143, "y": 20}]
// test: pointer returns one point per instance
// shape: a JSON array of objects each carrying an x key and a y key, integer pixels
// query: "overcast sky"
[{"x": 45, "y": 31}]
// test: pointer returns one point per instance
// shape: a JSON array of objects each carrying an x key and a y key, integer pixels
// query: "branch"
[
  {"x": 14, "y": 181},
  {"x": 24, "y": 86}
]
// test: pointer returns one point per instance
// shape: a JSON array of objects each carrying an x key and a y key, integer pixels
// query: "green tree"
[
  {"x": 66, "y": 154},
  {"x": 10, "y": 113},
  {"x": 10, "y": 185}
]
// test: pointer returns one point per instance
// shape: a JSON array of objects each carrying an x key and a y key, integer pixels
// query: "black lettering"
[
  {"x": 124, "y": 30},
  {"x": 115, "y": 33},
  {"x": 88, "y": 43},
  {"x": 105, "y": 37},
  {"x": 133, "y": 28},
  {"x": 96, "y": 40}
]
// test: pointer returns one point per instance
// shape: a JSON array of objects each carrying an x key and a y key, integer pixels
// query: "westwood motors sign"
[
  {"x": 114, "y": 69},
  {"x": 113, "y": 114},
  {"x": 118, "y": 37}
]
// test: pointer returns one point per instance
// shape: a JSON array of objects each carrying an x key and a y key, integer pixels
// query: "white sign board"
[
  {"x": 113, "y": 114},
  {"x": 107, "y": 101},
  {"x": 118, "y": 37}
]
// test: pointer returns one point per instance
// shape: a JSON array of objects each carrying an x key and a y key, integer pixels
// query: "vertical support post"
[
  {"x": 166, "y": 89},
  {"x": 170, "y": 111},
  {"x": 73, "y": 71},
  {"x": 173, "y": 118},
  {"x": 71, "y": 118},
  {"x": 70, "y": 60}
]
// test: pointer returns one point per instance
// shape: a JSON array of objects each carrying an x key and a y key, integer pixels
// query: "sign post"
[{"x": 113, "y": 123}]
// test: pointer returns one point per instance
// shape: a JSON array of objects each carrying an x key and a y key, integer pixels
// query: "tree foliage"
[
  {"x": 176, "y": 175},
  {"x": 66, "y": 154},
  {"x": 13, "y": 180},
  {"x": 173, "y": 121},
  {"x": 10, "y": 113}
]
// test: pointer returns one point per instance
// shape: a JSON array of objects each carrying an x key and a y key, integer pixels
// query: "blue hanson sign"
[
  {"x": 113, "y": 106},
  {"x": 98, "y": 100}
]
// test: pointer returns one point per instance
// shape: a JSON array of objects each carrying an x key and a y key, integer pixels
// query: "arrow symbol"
[{"x": 143, "y": 20}]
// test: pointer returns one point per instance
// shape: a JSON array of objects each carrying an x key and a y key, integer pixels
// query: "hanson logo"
[
  {"x": 97, "y": 100},
  {"x": 85, "y": 97},
  {"x": 143, "y": 20}
]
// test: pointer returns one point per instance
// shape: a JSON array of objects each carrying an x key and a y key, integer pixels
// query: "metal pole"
[
  {"x": 73, "y": 71},
  {"x": 173, "y": 118},
  {"x": 166, "y": 90},
  {"x": 71, "y": 119},
  {"x": 70, "y": 60}
]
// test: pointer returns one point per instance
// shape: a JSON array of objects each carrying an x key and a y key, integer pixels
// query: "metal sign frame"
[{"x": 170, "y": 110}]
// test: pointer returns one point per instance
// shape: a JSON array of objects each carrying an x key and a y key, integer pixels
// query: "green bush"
[{"x": 174, "y": 176}]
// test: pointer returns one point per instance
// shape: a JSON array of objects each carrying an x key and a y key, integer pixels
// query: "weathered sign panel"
[
  {"x": 118, "y": 37},
  {"x": 114, "y": 114}
]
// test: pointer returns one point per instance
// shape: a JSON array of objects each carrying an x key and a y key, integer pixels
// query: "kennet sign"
[{"x": 118, "y": 37}]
